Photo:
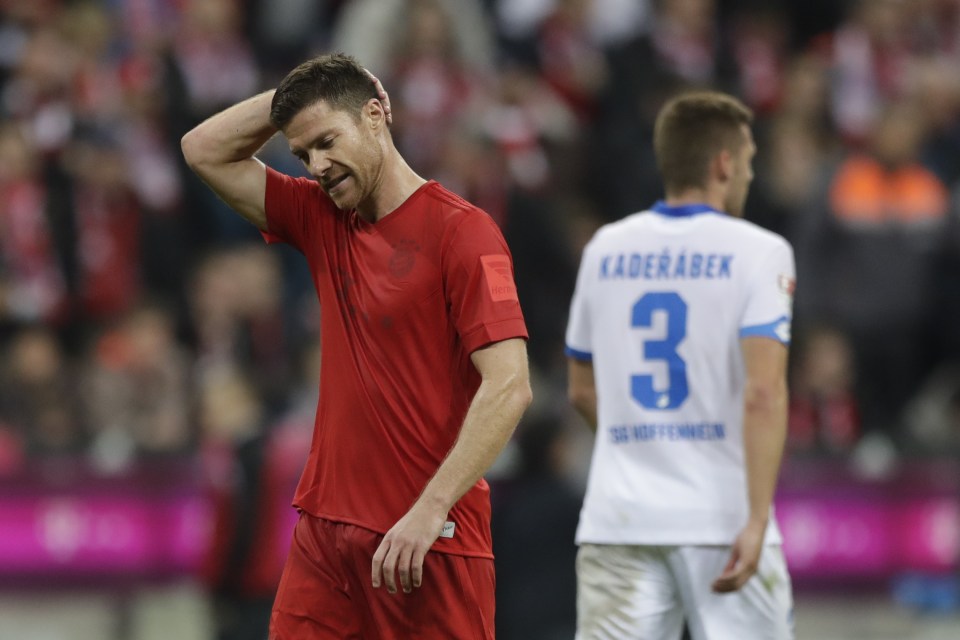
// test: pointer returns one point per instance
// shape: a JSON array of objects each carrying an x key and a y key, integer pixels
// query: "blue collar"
[{"x": 682, "y": 211}]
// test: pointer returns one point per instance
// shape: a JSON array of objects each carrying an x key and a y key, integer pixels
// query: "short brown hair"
[
  {"x": 334, "y": 78},
  {"x": 690, "y": 130}
]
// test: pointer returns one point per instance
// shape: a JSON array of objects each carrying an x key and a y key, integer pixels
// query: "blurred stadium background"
[{"x": 159, "y": 365}]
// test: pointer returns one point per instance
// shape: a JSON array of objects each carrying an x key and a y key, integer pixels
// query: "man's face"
[
  {"x": 339, "y": 151},
  {"x": 742, "y": 175}
]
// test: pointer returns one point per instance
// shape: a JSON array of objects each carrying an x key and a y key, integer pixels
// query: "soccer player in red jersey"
[{"x": 424, "y": 372}]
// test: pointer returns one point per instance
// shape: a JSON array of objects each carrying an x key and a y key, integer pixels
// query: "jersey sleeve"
[
  {"x": 288, "y": 203},
  {"x": 768, "y": 311},
  {"x": 479, "y": 284},
  {"x": 578, "y": 342}
]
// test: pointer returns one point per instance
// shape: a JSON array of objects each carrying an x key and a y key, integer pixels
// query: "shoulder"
[
  {"x": 453, "y": 214},
  {"x": 613, "y": 231},
  {"x": 280, "y": 181},
  {"x": 752, "y": 235},
  {"x": 301, "y": 191},
  {"x": 447, "y": 200}
]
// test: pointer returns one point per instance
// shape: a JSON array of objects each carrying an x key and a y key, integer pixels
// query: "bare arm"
[
  {"x": 764, "y": 434},
  {"x": 221, "y": 151},
  {"x": 582, "y": 391},
  {"x": 503, "y": 396}
]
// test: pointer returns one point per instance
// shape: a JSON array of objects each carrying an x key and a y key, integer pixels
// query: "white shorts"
[{"x": 627, "y": 592}]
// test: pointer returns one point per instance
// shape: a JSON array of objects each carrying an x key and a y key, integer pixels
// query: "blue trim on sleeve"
[
  {"x": 683, "y": 211},
  {"x": 583, "y": 356},
  {"x": 778, "y": 330}
]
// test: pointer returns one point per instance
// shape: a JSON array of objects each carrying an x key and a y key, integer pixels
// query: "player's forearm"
[
  {"x": 764, "y": 435},
  {"x": 232, "y": 135},
  {"x": 582, "y": 390},
  {"x": 493, "y": 415},
  {"x": 585, "y": 404}
]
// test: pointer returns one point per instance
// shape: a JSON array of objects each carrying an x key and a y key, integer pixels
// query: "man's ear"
[
  {"x": 374, "y": 111},
  {"x": 722, "y": 165}
]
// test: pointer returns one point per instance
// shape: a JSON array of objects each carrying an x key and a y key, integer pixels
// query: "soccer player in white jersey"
[{"x": 677, "y": 345}]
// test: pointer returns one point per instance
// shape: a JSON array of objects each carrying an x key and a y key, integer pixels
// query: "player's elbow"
[
  {"x": 193, "y": 147},
  {"x": 522, "y": 393},
  {"x": 583, "y": 399},
  {"x": 189, "y": 146},
  {"x": 764, "y": 396}
]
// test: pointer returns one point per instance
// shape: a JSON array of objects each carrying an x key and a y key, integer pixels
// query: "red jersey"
[{"x": 404, "y": 302}]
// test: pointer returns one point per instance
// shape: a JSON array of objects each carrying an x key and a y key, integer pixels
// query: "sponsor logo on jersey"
[{"x": 499, "y": 277}]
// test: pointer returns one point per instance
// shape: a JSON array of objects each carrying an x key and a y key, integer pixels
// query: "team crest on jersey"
[
  {"x": 499, "y": 277},
  {"x": 403, "y": 258}
]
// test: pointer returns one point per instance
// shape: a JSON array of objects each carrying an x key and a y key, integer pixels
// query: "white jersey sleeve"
[
  {"x": 768, "y": 309},
  {"x": 578, "y": 339}
]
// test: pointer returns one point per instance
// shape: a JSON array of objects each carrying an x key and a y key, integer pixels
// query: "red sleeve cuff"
[
  {"x": 269, "y": 238},
  {"x": 487, "y": 334}
]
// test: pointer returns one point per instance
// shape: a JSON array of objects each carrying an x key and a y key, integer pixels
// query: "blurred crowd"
[{"x": 139, "y": 317}]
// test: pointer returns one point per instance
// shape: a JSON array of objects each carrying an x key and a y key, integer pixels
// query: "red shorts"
[{"x": 325, "y": 591}]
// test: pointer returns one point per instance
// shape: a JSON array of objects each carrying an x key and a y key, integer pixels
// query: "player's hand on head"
[
  {"x": 398, "y": 561},
  {"x": 744, "y": 560},
  {"x": 382, "y": 95}
]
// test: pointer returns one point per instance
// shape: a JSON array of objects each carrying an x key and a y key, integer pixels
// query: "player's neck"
[
  {"x": 712, "y": 197},
  {"x": 397, "y": 182}
]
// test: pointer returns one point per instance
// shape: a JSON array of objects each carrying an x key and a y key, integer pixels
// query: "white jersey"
[{"x": 662, "y": 300}]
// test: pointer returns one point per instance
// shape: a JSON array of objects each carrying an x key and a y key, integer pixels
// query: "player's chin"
[
  {"x": 343, "y": 193},
  {"x": 344, "y": 201}
]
